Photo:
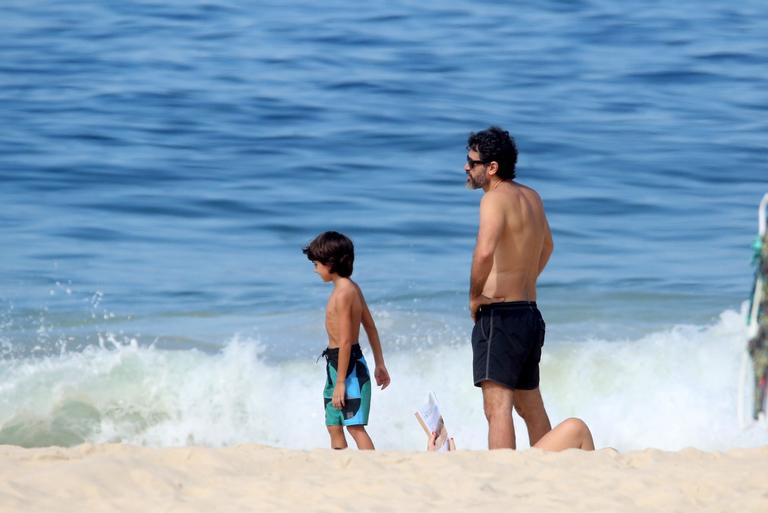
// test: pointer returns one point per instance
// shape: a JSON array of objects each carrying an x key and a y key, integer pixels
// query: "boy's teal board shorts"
[{"x": 357, "y": 400}]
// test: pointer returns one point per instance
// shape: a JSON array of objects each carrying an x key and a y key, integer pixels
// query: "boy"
[{"x": 348, "y": 399}]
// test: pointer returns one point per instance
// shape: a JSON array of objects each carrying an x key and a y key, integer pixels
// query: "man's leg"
[
  {"x": 530, "y": 406},
  {"x": 497, "y": 403},
  {"x": 338, "y": 440},
  {"x": 360, "y": 435}
]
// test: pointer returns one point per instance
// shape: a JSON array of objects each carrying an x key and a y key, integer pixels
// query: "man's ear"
[{"x": 492, "y": 167}]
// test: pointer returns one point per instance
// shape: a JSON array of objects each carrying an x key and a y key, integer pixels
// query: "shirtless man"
[{"x": 514, "y": 243}]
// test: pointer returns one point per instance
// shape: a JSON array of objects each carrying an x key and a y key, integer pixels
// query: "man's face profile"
[{"x": 477, "y": 171}]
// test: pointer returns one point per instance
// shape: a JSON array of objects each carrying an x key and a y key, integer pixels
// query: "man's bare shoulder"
[
  {"x": 529, "y": 194},
  {"x": 492, "y": 200},
  {"x": 503, "y": 197},
  {"x": 526, "y": 190}
]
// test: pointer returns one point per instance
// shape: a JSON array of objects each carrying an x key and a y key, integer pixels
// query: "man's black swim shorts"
[{"x": 506, "y": 344}]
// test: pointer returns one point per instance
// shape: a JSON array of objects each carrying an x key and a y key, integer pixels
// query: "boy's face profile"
[
  {"x": 332, "y": 254},
  {"x": 323, "y": 270}
]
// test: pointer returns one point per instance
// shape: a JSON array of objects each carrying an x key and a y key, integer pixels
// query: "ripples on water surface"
[{"x": 162, "y": 164}]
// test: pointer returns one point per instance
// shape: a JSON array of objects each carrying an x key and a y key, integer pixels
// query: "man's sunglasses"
[{"x": 472, "y": 163}]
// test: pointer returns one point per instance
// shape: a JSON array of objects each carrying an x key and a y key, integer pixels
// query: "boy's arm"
[
  {"x": 343, "y": 314},
  {"x": 380, "y": 372}
]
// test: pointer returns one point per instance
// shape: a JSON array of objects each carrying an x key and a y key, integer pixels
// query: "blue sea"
[{"x": 162, "y": 164}]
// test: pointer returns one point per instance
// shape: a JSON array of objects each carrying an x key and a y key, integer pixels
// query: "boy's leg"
[
  {"x": 360, "y": 435},
  {"x": 530, "y": 406},
  {"x": 338, "y": 440},
  {"x": 497, "y": 404}
]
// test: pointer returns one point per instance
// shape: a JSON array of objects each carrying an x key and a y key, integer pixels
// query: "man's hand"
[
  {"x": 478, "y": 301},
  {"x": 338, "y": 395},
  {"x": 382, "y": 376}
]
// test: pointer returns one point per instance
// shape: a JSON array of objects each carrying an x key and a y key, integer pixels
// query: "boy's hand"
[
  {"x": 382, "y": 376},
  {"x": 338, "y": 395}
]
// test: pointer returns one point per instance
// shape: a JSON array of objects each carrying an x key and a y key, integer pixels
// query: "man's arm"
[
  {"x": 546, "y": 250},
  {"x": 488, "y": 235},
  {"x": 343, "y": 314}
]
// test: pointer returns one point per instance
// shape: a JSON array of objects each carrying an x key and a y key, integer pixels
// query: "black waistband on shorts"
[
  {"x": 511, "y": 304},
  {"x": 332, "y": 353},
  {"x": 508, "y": 305}
]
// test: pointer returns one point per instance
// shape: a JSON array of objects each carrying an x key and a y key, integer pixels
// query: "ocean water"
[{"x": 162, "y": 165}]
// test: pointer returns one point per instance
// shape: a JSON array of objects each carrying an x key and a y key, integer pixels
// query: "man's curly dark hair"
[{"x": 495, "y": 145}]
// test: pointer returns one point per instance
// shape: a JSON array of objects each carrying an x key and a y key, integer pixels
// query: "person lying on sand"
[{"x": 571, "y": 433}]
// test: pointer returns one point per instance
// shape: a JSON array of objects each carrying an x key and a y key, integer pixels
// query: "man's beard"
[{"x": 477, "y": 182}]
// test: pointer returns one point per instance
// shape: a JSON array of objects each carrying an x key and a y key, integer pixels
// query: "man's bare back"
[{"x": 524, "y": 241}]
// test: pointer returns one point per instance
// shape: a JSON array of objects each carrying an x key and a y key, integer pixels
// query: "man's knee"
[
  {"x": 497, "y": 401},
  {"x": 523, "y": 410},
  {"x": 496, "y": 410},
  {"x": 529, "y": 409}
]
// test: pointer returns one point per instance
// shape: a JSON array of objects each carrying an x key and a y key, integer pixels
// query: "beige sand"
[{"x": 254, "y": 478}]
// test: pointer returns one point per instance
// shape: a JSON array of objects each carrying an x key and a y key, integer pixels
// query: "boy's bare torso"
[
  {"x": 516, "y": 260},
  {"x": 333, "y": 313}
]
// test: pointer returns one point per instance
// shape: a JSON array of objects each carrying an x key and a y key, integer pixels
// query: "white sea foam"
[{"x": 670, "y": 389}]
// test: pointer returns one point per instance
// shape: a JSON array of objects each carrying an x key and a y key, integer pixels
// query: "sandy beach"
[{"x": 257, "y": 478}]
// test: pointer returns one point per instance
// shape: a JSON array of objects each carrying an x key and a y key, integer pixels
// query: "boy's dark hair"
[
  {"x": 334, "y": 250},
  {"x": 495, "y": 144}
]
